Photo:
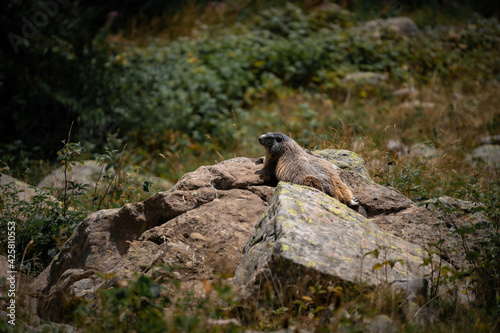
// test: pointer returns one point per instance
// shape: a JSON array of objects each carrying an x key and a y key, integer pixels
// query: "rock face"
[
  {"x": 201, "y": 225},
  {"x": 432, "y": 221},
  {"x": 305, "y": 232}
]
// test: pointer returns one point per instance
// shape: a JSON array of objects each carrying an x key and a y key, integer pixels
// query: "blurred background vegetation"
[{"x": 191, "y": 78}]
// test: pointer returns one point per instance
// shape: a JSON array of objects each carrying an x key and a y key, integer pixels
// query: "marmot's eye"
[{"x": 279, "y": 140}]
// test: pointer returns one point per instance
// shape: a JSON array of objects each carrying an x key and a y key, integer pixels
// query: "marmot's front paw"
[
  {"x": 260, "y": 161},
  {"x": 354, "y": 202}
]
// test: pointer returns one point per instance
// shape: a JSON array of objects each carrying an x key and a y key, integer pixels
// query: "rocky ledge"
[{"x": 228, "y": 219}]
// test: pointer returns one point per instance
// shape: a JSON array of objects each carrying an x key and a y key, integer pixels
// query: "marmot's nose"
[{"x": 261, "y": 138}]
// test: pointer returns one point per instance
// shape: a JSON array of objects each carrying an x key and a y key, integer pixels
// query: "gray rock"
[
  {"x": 490, "y": 140},
  {"x": 9, "y": 184},
  {"x": 81, "y": 174},
  {"x": 397, "y": 148},
  {"x": 374, "y": 198},
  {"x": 447, "y": 205},
  {"x": 414, "y": 288},
  {"x": 345, "y": 160},
  {"x": 424, "y": 150},
  {"x": 488, "y": 154},
  {"x": 416, "y": 104},
  {"x": 365, "y": 77},
  {"x": 431, "y": 221},
  {"x": 403, "y": 26},
  {"x": 405, "y": 92},
  {"x": 383, "y": 324},
  {"x": 306, "y": 233}
]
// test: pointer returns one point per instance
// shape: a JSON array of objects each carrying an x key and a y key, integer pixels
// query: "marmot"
[{"x": 287, "y": 161}]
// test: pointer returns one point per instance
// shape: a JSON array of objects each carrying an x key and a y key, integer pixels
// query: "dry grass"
[{"x": 447, "y": 123}]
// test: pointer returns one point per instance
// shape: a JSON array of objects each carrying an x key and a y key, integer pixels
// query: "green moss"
[{"x": 311, "y": 264}]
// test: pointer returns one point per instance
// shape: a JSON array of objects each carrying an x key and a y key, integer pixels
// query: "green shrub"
[
  {"x": 197, "y": 86},
  {"x": 42, "y": 224},
  {"x": 148, "y": 304}
]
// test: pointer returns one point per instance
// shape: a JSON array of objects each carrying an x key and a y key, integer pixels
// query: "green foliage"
[
  {"x": 198, "y": 87},
  {"x": 45, "y": 218},
  {"x": 174, "y": 95},
  {"x": 137, "y": 307},
  {"x": 144, "y": 305},
  {"x": 42, "y": 224}
]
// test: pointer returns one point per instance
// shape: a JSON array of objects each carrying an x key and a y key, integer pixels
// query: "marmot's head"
[{"x": 273, "y": 142}]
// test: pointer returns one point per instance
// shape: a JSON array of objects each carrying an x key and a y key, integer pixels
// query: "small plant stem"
[
  {"x": 97, "y": 184},
  {"x": 22, "y": 260},
  {"x": 111, "y": 182},
  {"x": 65, "y": 197}
]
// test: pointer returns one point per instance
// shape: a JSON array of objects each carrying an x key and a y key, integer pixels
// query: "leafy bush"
[
  {"x": 44, "y": 221},
  {"x": 42, "y": 224},
  {"x": 157, "y": 305},
  {"x": 198, "y": 86}
]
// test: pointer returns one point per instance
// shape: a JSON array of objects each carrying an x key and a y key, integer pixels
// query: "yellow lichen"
[{"x": 312, "y": 242}]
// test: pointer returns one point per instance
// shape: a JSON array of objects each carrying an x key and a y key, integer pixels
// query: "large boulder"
[
  {"x": 306, "y": 233},
  {"x": 488, "y": 154},
  {"x": 201, "y": 225},
  {"x": 365, "y": 78}
]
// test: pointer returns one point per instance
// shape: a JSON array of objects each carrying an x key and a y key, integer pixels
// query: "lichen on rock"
[{"x": 281, "y": 250}]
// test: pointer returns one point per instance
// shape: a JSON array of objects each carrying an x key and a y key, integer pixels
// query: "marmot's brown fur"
[{"x": 288, "y": 161}]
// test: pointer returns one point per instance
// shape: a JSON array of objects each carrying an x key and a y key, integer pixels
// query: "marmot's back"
[{"x": 287, "y": 161}]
